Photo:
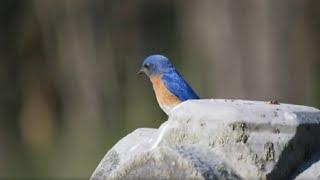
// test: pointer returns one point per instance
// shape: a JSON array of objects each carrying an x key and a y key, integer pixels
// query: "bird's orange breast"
[{"x": 163, "y": 95}]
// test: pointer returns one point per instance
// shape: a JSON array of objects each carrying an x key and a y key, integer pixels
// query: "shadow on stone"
[{"x": 306, "y": 143}]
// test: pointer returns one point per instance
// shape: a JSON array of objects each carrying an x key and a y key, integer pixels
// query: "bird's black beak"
[{"x": 141, "y": 71}]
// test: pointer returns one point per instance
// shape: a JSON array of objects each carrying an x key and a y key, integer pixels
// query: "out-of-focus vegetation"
[{"x": 67, "y": 73}]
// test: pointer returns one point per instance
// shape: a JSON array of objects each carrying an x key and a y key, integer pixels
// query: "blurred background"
[{"x": 68, "y": 88}]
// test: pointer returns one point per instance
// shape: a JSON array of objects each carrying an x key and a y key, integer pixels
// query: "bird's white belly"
[{"x": 167, "y": 108}]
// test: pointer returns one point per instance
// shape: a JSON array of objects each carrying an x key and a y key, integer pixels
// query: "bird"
[{"x": 169, "y": 86}]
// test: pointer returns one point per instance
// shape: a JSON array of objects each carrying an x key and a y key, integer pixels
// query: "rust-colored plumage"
[{"x": 163, "y": 96}]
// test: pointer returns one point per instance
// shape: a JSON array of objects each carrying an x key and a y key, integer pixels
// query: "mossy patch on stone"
[{"x": 240, "y": 129}]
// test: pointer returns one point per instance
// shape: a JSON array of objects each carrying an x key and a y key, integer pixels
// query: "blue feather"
[{"x": 178, "y": 86}]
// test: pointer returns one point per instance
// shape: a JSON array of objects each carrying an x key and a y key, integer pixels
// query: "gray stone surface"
[
  {"x": 218, "y": 139},
  {"x": 309, "y": 169}
]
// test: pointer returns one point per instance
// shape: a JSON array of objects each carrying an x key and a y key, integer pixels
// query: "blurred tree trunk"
[
  {"x": 252, "y": 49},
  {"x": 70, "y": 49},
  {"x": 85, "y": 43}
]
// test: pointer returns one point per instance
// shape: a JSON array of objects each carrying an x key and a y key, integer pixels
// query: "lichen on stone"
[
  {"x": 268, "y": 151},
  {"x": 240, "y": 129},
  {"x": 181, "y": 136}
]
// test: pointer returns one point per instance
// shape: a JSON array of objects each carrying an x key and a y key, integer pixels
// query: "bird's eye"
[{"x": 146, "y": 65}]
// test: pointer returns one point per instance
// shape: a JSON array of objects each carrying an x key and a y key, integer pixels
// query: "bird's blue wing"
[{"x": 178, "y": 86}]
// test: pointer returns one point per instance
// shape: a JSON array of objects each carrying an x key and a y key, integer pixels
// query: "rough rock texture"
[{"x": 218, "y": 139}]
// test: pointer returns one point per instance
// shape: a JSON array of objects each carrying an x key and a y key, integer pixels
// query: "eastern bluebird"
[{"x": 169, "y": 86}]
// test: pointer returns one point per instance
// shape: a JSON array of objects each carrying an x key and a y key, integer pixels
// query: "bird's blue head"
[{"x": 156, "y": 65}]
